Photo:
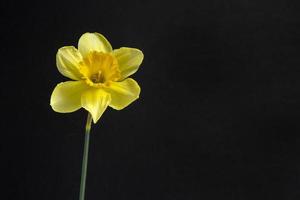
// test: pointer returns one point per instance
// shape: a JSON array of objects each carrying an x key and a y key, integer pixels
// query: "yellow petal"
[
  {"x": 129, "y": 60},
  {"x": 67, "y": 62},
  {"x": 95, "y": 101},
  {"x": 123, "y": 93},
  {"x": 66, "y": 96},
  {"x": 93, "y": 42}
]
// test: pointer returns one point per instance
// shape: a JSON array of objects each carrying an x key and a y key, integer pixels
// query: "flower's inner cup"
[
  {"x": 98, "y": 77},
  {"x": 99, "y": 68}
]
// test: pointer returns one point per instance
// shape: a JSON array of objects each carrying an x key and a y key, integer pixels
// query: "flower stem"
[{"x": 85, "y": 156}]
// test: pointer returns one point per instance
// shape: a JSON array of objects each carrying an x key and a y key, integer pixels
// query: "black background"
[{"x": 218, "y": 116}]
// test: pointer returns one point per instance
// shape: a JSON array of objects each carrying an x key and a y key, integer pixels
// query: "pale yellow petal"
[
  {"x": 123, "y": 93},
  {"x": 95, "y": 100},
  {"x": 66, "y": 96},
  {"x": 93, "y": 42},
  {"x": 129, "y": 60},
  {"x": 67, "y": 62}
]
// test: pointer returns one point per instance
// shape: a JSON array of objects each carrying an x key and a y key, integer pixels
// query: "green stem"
[{"x": 85, "y": 156}]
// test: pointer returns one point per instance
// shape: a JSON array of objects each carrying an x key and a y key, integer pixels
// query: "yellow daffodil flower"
[{"x": 99, "y": 76}]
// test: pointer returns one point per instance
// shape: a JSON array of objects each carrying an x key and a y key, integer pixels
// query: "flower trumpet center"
[
  {"x": 99, "y": 68},
  {"x": 98, "y": 77}
]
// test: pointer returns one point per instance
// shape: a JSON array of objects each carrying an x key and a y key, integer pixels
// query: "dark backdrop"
[{"x": 218, "y": 116}]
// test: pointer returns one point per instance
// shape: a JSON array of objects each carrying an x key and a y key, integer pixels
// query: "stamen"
[{"x": 98, "y": 77}]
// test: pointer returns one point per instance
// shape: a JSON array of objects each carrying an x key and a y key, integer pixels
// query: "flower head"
[{"x": 99, "y": 76}]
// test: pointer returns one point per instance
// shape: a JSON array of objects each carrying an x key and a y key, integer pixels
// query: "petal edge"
[
  {"x": 129, "y": 60},
  {"x": 66, "y": 96},
  {"x": 93, "y": 42},
  {"x": 123, "y": 93},
  {"x": 95, "y": 101},
  {"x": 67, "y": 62}
]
